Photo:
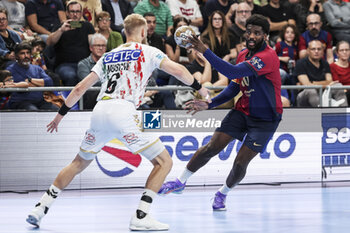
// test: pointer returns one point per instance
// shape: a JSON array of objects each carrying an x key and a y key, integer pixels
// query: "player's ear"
[{"x": 143, "y": 32}]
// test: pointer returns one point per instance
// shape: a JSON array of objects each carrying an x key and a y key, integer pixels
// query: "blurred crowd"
[{"x": 56, "y": 43}]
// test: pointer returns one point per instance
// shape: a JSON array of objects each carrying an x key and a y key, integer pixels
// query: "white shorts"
[{"x": 119, "y": 119}]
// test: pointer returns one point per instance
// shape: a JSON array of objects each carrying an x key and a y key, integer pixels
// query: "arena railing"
[{"x": 172, "y": 88}]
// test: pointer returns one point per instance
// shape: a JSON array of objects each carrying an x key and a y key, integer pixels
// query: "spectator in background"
[
  {"x": 6, "y": 80},
  {"x": 153, "y": 39},
  {"x": 118, "y": 9},
  {"x": 313, "y": 70},
  {"x": 287, "y": 51},
  {"x": 215, "y": 5},
  {"x": 71, "y": 44},
  {"x": 174, "y": 51},
  {"x": 98, "y": 45},
  {"x": 338, "y": 16},
  {"x": 161, "y": 11},
  {"x": 188, "y": 9},
  {"x": 315, "y": 32},
  {"x": 242, "y": 13},
  {"x": 231, "y": 14},
  {"x": 43, "y": 16},
  {"x": 114, "y": 39},
  {"x": 33, "y": 76},
  {"x": 218, "y": 38},
  {"x": 341, "y": 68},
  {"x": 38, "y": 46},
  {"x": 302, "y": 8},
  {"x": 16, "y": 18},
  {"x": 8, "y": 40},
  {"x": 278, "y": 17},
  {"x": 91, "y": 8}
]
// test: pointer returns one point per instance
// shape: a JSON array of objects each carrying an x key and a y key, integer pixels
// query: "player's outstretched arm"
[
  {"x": 227, "y": 69},
  {"x": 72, "y": 99},
  {"x": 181, "y": 73}
]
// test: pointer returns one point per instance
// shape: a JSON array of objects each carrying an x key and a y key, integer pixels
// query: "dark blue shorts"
[{"x": 257, "y": 132}]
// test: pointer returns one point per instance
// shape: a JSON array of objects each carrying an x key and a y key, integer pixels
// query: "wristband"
[
  {"x": 63, "y": 110},
  {"x": 195, "y": 85},
  {"x": 29, "y": 79}
]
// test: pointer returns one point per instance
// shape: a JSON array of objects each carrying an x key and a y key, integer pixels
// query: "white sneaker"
[
  {"x": 147, "y": 224},
  {"x": 35, "y": 216}
]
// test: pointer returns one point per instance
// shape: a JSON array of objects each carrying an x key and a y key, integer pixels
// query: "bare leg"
[
  {"x": 62, "y": 180},
  {"x": 162, "y": 166},
  {"x": 238, "y": 171},
  {"x": 216, "y": 144},
  {"x": 142, "y": 220},
  {"x": 67, "y": 174}
]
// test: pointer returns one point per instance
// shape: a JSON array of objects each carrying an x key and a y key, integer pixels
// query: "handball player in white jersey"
[{"x": 124, "y": 73}]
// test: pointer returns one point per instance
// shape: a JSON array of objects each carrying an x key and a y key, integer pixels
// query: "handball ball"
[{"x": 181, "y": 34}]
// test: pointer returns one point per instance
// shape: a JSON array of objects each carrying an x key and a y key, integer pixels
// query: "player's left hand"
[
  {"x": 53, "y": 125},
  {"x": 196, "y": 105},
  {"x": 196, "y": 44},
  {"x": 205, "y": 93}
]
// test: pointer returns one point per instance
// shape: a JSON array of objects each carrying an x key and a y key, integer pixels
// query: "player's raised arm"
[
  {"x": 78, "y": 91},
  {"x": 227, "y": 69}
]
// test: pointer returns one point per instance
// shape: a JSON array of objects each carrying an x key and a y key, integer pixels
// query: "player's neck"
[{"x": 133, "y": 39}]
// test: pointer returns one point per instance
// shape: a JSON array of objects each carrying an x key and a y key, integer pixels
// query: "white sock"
[
  {"x": 185, "y": 175},
  {"x": 225, "y": 189},
  {"x": 145, "y": 203},
  {"x": 49, "y": 197}
]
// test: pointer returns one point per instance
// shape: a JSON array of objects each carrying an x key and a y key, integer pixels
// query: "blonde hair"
[{"x": 132, "y": 22}]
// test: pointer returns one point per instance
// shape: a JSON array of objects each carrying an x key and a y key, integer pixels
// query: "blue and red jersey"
[
  {"x": 284, "y": 50},
  {"x": 259, "y": 81},
  {"x": 324, "y": 36}
]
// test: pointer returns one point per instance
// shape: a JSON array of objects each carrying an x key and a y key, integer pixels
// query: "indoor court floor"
[{"x": 299, "y": 208}]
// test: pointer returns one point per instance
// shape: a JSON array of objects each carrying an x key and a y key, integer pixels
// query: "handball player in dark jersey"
[{"x": 255, "y": 116}]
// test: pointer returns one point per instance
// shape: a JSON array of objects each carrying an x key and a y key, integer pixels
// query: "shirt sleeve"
[
  {"x": 299, "y": 68},
  {"x": 329, "y": 41},
  {"x": 302, "y": 43},
  {"x": 278, "y": 49},
  {"x": 47, "y": 79},
  {"x": 30, "y": 8},
  {"x": 98, "y": 69},
  {"x": 157, "y": 57},
  {"x": 262, "y": 63},
  {"x": 230, "y": 71}
]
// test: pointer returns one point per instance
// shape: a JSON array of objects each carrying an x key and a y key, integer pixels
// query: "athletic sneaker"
[
  {"x": 172, "y": 187},
  {"x": 147, "y": 224},
  {"x": 219, "y": 201},
  {"x": 37, "y": 214}
]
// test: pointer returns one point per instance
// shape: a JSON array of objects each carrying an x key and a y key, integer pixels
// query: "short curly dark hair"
[
  {"x": 259, "y": 20},
  {"x": 22, "y": 46}
]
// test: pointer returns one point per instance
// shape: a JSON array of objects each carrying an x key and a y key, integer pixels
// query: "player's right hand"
[
  {"x": 196, "y": 105},
  {"x": 53, "y": 125}
]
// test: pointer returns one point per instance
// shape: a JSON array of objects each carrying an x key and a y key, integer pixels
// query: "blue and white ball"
[{"x": 181, "y": 34}]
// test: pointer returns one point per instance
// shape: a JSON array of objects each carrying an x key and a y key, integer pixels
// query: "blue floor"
[{"x": 299, "y": 208}]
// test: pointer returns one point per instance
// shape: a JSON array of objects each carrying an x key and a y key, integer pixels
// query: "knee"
[
  {"x": 163, "y": 162},
  {"x": 80, "y": 164}
]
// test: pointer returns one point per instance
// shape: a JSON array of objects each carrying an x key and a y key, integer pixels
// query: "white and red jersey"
[{"x": 124, "y": 71}]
